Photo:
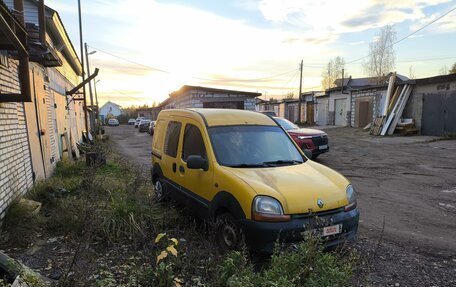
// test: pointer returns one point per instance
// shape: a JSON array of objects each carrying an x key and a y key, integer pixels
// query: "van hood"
[{"x": 298, "y": 187}]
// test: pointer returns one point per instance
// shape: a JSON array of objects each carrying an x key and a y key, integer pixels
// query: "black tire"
[
  {"x": 315, "y": 156},
  {"x": 160, "y": 190},
  {"x": 227, "y": 234}
]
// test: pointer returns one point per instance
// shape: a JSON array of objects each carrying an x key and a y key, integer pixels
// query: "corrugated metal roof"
[{"x": 187, "y": 88}]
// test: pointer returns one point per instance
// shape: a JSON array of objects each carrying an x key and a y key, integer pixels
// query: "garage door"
[
  {"x": 439, "y": 114},
  {"x": 322, "y": 112},
  {"x": 340, "y": 112}
]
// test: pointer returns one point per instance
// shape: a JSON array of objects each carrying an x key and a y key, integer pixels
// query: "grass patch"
[
  {"x": 20, "y": 225},
  {"x": 306, "y": 265},
  {"x": 109, "y": 220}
]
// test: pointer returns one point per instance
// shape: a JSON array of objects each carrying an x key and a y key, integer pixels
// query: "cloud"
[
  {"x": 111, "y": 66},
  {"x": 328, "y": 18},
  {"x": 357, "y": 43},
  {"x": 444, "y": 25},
  {"x": 196, "y": 46}
]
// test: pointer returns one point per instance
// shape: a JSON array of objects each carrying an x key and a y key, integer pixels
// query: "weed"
[
  {"x": 306, "y": 265},
  {"x": 20, "y": 225}
]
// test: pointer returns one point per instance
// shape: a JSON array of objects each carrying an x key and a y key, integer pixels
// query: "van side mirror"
[{"x": 197, "y": 162}]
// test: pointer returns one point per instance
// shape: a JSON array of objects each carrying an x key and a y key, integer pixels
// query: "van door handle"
[
  {"x": 181, "y": 169},
  {"x": 174, "y": 167}
]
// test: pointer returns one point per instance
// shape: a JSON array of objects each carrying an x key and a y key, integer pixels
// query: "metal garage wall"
[{"x": 439, "y": 114}]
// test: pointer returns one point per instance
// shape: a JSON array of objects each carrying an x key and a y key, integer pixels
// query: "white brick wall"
[{"x": 15, "y": 161}]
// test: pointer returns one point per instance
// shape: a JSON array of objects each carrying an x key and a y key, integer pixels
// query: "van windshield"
[{"x": 253, "y": 146}]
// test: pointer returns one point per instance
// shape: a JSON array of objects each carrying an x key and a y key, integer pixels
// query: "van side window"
[
  {"x": 172, "y": 138},
  {"x": 193, "y": 142}
]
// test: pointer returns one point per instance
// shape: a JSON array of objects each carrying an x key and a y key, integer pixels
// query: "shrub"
[{"x": 306, "y": 265}]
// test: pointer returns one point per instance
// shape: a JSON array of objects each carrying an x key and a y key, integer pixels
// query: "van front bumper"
[{"x": 261, "y": 236}]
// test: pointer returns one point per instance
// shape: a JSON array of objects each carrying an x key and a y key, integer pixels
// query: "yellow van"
[{"x": 241, "y": 169}]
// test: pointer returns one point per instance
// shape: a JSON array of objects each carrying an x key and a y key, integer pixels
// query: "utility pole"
[
  {"x": 96, "y": 95},
  {"x": 299, "y": 95},
  {"x": 329, "y": 77},
  {"x": 92, "y": 116},
  {"x": 96, "y": 100},
  {"x": 82, "y": 66}
]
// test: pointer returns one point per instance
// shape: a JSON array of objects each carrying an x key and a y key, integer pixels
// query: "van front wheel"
[
  {"x": 228, "y": 234},
  {"x": 159, "y": 189}
]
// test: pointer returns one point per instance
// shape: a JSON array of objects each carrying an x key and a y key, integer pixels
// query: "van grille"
[{"x": 319, "y": 214}]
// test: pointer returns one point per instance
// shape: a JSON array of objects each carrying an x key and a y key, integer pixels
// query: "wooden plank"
[
  {"x": 389, "y": 94},
  {"x": 68, "y": 145},
  {"x": 393, "y": 113},
  {"x": 394, "y": 99},
  {"x": 400, "y": 109}
]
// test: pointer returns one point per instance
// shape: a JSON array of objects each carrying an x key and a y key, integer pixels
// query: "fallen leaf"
[
  {"x": 159, "y": 236},
  {"x": 172, "y": 250},
  {"x": 162, "y": 256},
  {"x": 175, "y": 241},
  {"x": 177, "y": 282}
]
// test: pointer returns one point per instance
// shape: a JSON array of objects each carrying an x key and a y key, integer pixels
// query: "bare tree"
[
  {"x": 453, "y": 69},
  {"x": 412, "y": 72},
  {"x": 443, "y": 70},
  {"x": 382, "y": 57},
  {"x": 332, "y": 72},
  {"x": 289, "y": 95}
]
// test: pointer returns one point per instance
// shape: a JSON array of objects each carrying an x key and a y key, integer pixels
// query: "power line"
[
  {"x": 411, "y": 34},
  {"x": 291, "y": 79},
  {"x": 198, "y": 78}
]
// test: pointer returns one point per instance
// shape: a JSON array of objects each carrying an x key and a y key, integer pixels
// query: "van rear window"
[{"x": 172, "y": 138}]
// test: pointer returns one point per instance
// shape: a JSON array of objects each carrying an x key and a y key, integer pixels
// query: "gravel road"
[{"x": 406, "y": 186}]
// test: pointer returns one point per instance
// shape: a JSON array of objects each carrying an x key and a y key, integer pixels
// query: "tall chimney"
[
  {"x": 42, "y": 21},
  {"x": 19, "y": 10}
]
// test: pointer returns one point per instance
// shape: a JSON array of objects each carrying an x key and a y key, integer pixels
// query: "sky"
[{"x": 146, "y": 49}]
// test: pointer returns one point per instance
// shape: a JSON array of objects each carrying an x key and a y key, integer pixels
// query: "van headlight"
[
  {"x": 351, "y": 197},
  {"x": 265, "y": 208}
]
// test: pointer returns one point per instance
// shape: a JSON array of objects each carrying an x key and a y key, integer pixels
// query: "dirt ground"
[{"x": 406, "y": 187}]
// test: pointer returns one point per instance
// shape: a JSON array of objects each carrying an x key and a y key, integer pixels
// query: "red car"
[{"x": 312, "y": 142}]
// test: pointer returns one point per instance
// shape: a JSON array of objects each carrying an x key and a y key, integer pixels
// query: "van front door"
[{"x": 196, "y": 184}]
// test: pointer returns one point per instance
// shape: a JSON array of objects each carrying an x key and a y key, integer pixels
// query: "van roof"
[{"x": 226, "y": 117}]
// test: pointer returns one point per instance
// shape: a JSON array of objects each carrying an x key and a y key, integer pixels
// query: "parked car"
[
  {"x": 113, "y": 122},
  {"x": 313, "y": 142},
  {"x": 152, "y": 127},
  {"x": 269, "y": 113},
  {"x": 131, "y": 121},
  {"x": 240, "y": 169},
  {"x": 144, "y": 126},
  {"x": 138, "y": 120}
]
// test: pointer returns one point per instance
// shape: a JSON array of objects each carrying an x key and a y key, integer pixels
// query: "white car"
[
  {"x": 113, "y": 122},
  {"x": 131, "y": 121},
  {"x": 138, "y": 120}
]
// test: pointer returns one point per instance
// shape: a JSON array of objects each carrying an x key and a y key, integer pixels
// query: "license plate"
[
  {"x": 331, "y": 230},
  {"x": 323, "y": 146}
]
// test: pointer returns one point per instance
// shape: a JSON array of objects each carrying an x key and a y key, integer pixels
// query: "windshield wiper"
[
  {"x": 280, "y": 161},
  {"x": 246, "y": 165}
]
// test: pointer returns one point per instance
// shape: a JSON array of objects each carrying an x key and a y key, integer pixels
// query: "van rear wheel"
[{"x": 228, "y": 234}]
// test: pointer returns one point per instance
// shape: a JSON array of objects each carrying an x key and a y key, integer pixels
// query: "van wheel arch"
[
  {"x": 225, "y": 202},
  {"x": 156, "y": 172}
]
